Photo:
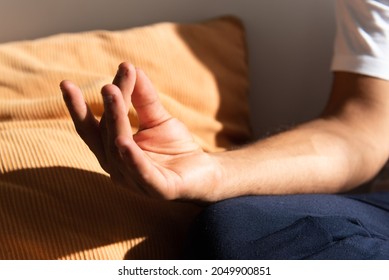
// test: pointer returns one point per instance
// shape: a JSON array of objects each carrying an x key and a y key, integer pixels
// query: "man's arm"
[
  {"x": 336, "y": 152},
  {"x": 348, "y": 143},
  {"x": 343, "y": 148}
]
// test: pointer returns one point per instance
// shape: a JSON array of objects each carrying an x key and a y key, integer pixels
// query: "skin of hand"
[
  {"x": 161, "y": 160},
  {"x": 344, "y": 147}
]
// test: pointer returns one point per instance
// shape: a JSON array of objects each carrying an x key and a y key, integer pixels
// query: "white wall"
[{"x": 290, "y": 42}]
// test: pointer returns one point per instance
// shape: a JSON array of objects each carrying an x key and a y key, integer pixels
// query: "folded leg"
[{"x": 294, "y": 227}]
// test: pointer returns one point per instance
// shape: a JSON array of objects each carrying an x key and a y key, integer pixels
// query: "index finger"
[{"x": 115, "y": 112}]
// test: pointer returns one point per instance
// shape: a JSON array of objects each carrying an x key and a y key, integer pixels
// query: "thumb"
[{"x": 147, "y": 103}]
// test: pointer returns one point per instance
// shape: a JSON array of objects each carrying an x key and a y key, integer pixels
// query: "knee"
[{"x": 279, "y": 228}]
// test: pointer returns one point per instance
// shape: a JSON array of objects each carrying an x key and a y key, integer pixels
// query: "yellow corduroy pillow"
[
  {"x": 200, "y": 71},
  {"x": 55, "y": 200}
]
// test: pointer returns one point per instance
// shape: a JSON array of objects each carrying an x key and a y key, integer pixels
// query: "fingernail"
[
  {"x": 62, "y": 86},
  {"x": 119, "y": 72},
  {"x": 122, "y": 70}
]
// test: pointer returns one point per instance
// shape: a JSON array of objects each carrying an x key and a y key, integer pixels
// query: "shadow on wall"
[{"x": 221, "y": 47}]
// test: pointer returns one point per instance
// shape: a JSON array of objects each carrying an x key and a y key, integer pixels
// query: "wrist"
[{"x": 226, "y": 178}]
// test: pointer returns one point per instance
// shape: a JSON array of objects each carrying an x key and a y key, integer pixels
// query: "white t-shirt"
[{"x": 362, "y": 39}]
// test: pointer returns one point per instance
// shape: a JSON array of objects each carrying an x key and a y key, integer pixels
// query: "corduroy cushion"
[{"x": 55, "y": 200}]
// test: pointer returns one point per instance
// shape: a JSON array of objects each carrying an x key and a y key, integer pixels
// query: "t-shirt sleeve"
[{"x": 362, "y": 39}]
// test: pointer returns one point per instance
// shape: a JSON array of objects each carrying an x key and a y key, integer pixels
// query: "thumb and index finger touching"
[
  {"x": 130, "y": 86},
  {"x": 135, "y": 87}
]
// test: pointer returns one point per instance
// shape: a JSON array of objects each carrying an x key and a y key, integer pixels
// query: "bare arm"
[{"x": 342, "y": 149}]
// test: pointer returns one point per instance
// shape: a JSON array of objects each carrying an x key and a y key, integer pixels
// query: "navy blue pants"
[{"x": 293, "y": 227}]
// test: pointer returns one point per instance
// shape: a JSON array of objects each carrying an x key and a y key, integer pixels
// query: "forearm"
[
  {"x": 311, "y": 158},
  {"x": 334, "y": 153}
]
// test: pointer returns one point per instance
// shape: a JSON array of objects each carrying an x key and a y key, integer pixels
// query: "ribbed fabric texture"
[{"x": 55, "y": 200}]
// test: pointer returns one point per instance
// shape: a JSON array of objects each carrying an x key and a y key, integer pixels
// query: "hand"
[{"x": 161, "y": 159}]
